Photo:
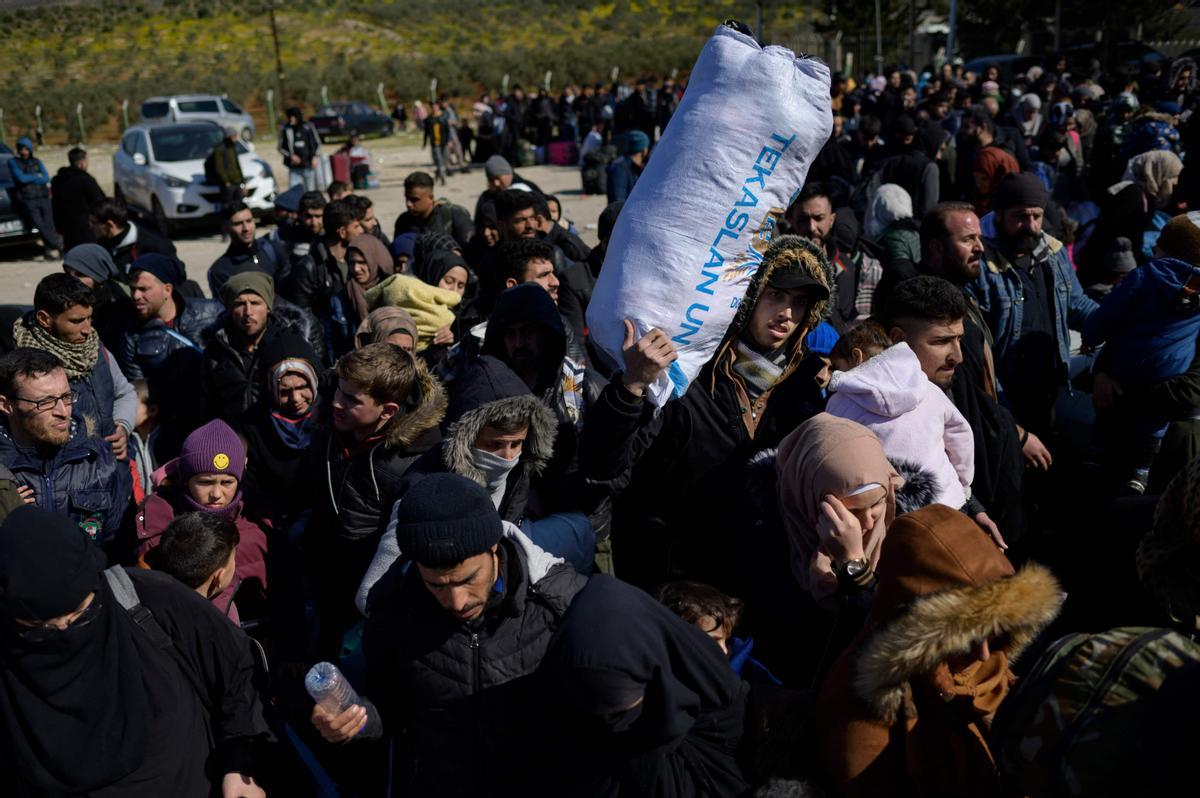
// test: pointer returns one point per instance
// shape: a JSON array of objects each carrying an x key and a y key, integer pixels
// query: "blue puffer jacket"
[
  {"x": 81, "y": 479},
  {"x": 1150, "y": 320},
  {"x": 151, "y": 348},
  {"x": 1001, "y": 297}
]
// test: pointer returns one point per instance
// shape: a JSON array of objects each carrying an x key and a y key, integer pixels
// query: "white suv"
[
  {"x": 159, "y": 170},
  {"x": 198, "y": 108}
]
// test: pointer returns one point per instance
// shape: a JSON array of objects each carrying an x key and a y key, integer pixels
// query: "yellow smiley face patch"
[{"x": 220, "y": 461}]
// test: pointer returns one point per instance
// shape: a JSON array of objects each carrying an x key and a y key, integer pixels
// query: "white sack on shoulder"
[{"x": 693, "y": 231}]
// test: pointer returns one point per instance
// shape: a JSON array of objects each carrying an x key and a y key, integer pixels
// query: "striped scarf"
[{"x": 758, "y": 371}]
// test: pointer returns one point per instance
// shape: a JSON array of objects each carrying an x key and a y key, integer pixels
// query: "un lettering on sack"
[{"x": 692, "y": 233}]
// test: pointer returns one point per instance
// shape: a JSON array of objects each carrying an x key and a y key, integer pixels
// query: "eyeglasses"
[
  {"x": 42, "y": 405},
  {"x": 45, "y": 631}
]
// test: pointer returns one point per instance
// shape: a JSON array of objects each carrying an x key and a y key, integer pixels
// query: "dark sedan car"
[
  {"x": 14, "y": 227},
  {"x": 339, "y": 120}
]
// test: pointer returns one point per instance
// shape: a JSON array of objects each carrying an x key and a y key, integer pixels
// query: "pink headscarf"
[{"x": 828, "y": 455}]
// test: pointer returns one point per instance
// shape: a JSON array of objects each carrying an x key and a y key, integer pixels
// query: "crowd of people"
[{"x": 925, "y": 523}]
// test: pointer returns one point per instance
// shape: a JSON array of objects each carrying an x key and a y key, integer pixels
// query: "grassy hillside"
[{"x": 100, "y": 53}]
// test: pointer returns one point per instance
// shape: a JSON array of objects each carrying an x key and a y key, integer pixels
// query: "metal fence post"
[
  {"x": 433, "y": 90},
  {"x": 383, "y": 104},
  {"x": 125, "y": 114},
  {"x": 271, "y": 108},
  {"x": 324, "y": 95},
  {"x": 39, "y": 132},
  {"x": 79, "y": 116}
]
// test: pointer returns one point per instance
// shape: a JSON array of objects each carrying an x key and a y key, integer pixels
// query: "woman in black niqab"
[
  {"x": 666, "y": 709},
  {"x": 74, "y": 710}
]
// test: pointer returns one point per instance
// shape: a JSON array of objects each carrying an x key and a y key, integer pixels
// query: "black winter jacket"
[
  {"x": 72, "y": 193},
  {"x": 680, "y": 472},
  {"x": 233, "y": 377},
  {"x": 353, "y": 493},
  {"x": 264, "y": 256},
  {"x": 465, "y": 701},
  {"x": 151, "y": 349},
  {"x": 446, "y": 218},
  {"x": 80, "y": 479},
  {"x": 315, "y": 280}
]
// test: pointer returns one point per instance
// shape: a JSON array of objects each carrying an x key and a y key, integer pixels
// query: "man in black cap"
[
  {"x": 119, "y": 682},
  {"x": 757, "y": 388},
  {"x": 452, "y": 644},
  {"x": 1031, "y": 299}
]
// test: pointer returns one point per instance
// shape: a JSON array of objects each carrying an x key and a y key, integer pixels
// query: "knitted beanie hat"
[
  {"x": 212, "y": 449},
  {"x": 1180, "y": 238},
  {"x": 443, "y": 519}
]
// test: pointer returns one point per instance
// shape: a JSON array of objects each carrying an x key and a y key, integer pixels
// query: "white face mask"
[{"x": 495, "y": 471}]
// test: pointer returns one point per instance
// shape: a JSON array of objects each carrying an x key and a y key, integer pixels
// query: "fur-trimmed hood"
[
  {"x": 486, "y": 393},
  {"x": 943, "y": 588},
  {"x": 785, "y": 253},
  {"x": 424, "y": 410}
]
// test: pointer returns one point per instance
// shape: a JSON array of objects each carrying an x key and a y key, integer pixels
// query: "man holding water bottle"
[{"x": 452, "y": 643}]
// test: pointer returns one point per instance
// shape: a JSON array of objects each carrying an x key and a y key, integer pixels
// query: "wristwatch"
[{"x": 855, "y": 572}]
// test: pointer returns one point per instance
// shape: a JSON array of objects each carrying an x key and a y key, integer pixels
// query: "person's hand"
[
  {"x": 645, "y": 358},
  {"x": 840, "y": 533},
  {"x": 26, "y": 494},
  {"x": 313, "y": 165},
  {"x": 1036, "y": 453},
  {"x": 236, "y": 785},
  {"x": 988, "y": 525},
  {"x": 341, "y": 727},
  {"x": 444, "y": 336},
  {"x": 1105, "y": 392},
  {"x": 294, "y": 160},
  {"x": 119, "y": 441}
]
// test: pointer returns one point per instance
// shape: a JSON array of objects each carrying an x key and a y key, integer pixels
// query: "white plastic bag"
[{"x": 692, "y": 233}]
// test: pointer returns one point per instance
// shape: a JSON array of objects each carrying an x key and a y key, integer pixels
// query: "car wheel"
[
  {"x": 161, "y": 221},
  {"x": 247, "y": 134}
]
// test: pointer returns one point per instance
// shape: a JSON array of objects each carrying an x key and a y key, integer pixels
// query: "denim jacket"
[{"x": 1001, "y": 296}]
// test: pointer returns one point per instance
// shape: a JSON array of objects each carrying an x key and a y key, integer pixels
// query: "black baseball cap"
[{"x": 791, "y": 279}]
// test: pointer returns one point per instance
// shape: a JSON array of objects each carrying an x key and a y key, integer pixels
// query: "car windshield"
[
  {"x": 184, "y": 143},
  {"x": 337, "y": 109}
]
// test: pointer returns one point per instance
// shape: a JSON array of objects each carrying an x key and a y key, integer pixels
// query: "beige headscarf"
[
  {"x": 382, "y": 322},
  {"x": 1156, "y": 172},
  {"x": 828, "y": 455},
  {"x": 379, "y": 265}
]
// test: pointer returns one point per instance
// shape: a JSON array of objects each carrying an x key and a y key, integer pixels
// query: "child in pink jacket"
[{"x": 882, "y": 387}]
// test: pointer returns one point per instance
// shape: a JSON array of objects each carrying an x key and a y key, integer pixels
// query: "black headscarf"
[
  {"x": 73, "y": 707},
  {"x": 617, "y": 643},
  {"x": 434, "y": 254}
]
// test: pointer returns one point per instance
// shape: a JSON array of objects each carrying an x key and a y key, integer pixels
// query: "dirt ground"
[{"x": 394, "y": 159}]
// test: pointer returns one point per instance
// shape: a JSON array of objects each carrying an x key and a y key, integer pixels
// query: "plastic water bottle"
[{"x": 330, "y": 688}]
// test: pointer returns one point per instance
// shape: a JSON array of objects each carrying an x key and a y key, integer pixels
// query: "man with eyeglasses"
[{"x": 55, "y": 462}]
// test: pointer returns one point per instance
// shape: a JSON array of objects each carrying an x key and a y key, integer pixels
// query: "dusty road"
[{"x": 394, "y": 159}]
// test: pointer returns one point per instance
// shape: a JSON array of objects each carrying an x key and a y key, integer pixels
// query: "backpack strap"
[{"x": 126, "y": 595}]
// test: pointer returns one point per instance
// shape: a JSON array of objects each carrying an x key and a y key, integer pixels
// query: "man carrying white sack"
[{"x": 679, "y": 474}]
